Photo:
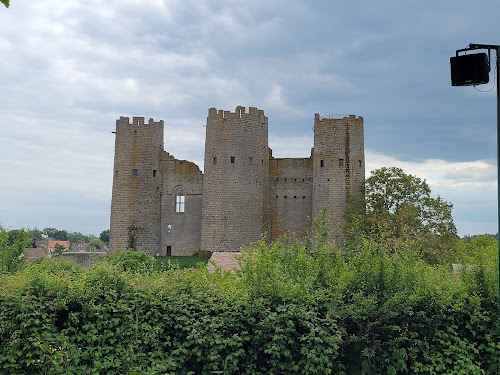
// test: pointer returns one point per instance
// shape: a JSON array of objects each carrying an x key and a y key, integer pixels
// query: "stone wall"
[
  {"x": 180, "y": 220},
  {"x": 84, "y": 259},
  {"x": 291, "y": 196}
]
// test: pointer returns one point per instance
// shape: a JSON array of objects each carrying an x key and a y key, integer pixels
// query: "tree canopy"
[
  {"x": 5, "y": 2},
  {"x": 399, "y": 208}
]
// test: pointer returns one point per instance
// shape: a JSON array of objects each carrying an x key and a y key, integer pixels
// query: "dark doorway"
[{"x": 169, "y": 251}]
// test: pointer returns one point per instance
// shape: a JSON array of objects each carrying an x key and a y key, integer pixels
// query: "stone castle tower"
[
  {"x": 338, "y": 164},
  {"x": 135, "y": 203},
  {"x": 236, "y": 181},
  {"x": 162, "y": 205}
]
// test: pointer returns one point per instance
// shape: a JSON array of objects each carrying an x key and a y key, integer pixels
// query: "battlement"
[
  {"x": 317, "y": 117},
  {"x": 136, "y": 121},
  {"x": 239, "y": 112}
]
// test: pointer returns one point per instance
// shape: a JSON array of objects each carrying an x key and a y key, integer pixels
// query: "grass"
[{"x": 182, "y": 261}]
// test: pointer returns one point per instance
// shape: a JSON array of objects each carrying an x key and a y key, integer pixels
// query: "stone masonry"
[{"x": 162, "y": 205}]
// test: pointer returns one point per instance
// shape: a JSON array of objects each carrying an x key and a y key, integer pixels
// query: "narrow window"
[
  {"x": 250, "y": 160},
  {"x": 215, "y": 159},
  {"x": 341, "y": 162},
  {"x": 116, "y": 173},
  {"x": 179, "y": 203},
  {"x": 359, "y": 162},
  {"x": 322, "y": 163},
  {"x": 154, "y": 172},
  {"x": 232, "y": 159},
  {"x": 134, "y": 172}
]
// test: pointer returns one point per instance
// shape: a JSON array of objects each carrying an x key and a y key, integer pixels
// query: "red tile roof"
[{"x": 52, "y": 244}]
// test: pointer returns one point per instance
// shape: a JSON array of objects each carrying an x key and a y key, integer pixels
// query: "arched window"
[{"x": 180, "y": 199}]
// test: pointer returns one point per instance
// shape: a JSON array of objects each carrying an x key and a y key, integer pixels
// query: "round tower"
[
  {"x": 135, "y": 204},
  {"x": 338, "y": 165},
  {"x": 235, "y": 209}
]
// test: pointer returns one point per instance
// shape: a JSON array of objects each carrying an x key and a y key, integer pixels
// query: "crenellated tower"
[
  {"x": 135, "y": 204},
  {"x": 338, "y": 165},
  {"x": 235, "y": 209}
]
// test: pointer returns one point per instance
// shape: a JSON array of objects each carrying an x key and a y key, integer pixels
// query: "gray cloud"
[{"x": 71, "y": 68}]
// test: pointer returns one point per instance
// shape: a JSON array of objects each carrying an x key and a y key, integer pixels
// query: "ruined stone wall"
[
  {"x": 291, "y": 196},
  {"x": 135, "y": 204},
  {"x": 338, "y": 165},
  {"x": 236, "y": 201},
  {"x": 180, "y": 221}
]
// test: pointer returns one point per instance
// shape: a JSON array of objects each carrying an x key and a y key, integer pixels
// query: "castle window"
[
  {"x": 116, "y": 173},
  {"x": 359, "y": 162},
  {"x": 134, "y": 172},
  {"x": 322, "y": 163},
  {"x": 215, "y": 159},
  {"x": 180, "y": 201},
  {"x": 232, "y": 159},
  {"x": 154, "y": 172},
  {"x": 250, "y": 160},
  {"x": 341, "y": 162}
]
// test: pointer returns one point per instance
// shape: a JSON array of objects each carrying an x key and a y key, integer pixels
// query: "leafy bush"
[
  {"x": 134, "y": 261},
  {"x": 294, "y": 308},
  {"x": 12, "y": 250}
]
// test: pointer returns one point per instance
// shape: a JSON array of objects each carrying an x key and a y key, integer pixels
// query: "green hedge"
[{"x": 293, "y": 309}]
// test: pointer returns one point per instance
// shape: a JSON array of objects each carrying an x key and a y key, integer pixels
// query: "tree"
[
  {"x": 5, "y": 2},
  {"x": 77, "y": 237},
  {"x": 58, "y": 250},
  {"x": 61, "y": 235},
  {"x": 12, "y": 252},
  {"x": 399, "y": 210},
  {"x": 104, "y": 236}
]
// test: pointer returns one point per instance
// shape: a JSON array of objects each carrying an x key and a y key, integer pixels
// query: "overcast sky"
[{"x": 69, "y": 69}]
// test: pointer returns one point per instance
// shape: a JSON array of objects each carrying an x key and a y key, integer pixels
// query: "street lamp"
[{"x": 467, "y": 70}]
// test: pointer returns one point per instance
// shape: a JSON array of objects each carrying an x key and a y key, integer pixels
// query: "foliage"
[
  {"x": 399, "y": 209},
  {"x": 134, "y": 261},
  {"x": 97, "y": 244},
  {"x": 169, "y": 262},
  {"x": 36, "y": 234},
  {"x": 58, "y": 250},
  {"x": 295, "y": 308},
  {"x": 104, "y": 236},
  {"x": 77, "y": 237},
  {"x": 60, "y": 235},
  {"x": 5, "y": 2},
  {"x": 64, "y": 235},
  {"x": 12, "y": 250}
]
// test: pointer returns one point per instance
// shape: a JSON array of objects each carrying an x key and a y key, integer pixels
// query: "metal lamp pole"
[{"x": 490, "y": 47}]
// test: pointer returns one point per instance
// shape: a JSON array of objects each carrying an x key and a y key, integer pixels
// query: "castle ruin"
[{"x": 162, "y": 205}]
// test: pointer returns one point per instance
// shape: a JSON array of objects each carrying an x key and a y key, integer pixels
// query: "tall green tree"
[
  {"x": 5, "y": 2},
  {"x": 398, "y": 210},
  {"x": 104, "y": 236},
  {"x": 61, "y": 235},
  {"x": 13, "y": 250}
]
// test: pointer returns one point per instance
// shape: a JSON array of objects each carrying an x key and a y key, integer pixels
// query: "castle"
[{"x": 162, "y": 205}]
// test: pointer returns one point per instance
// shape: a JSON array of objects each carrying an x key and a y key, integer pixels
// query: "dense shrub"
[{"x": 294, "y": 308}]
